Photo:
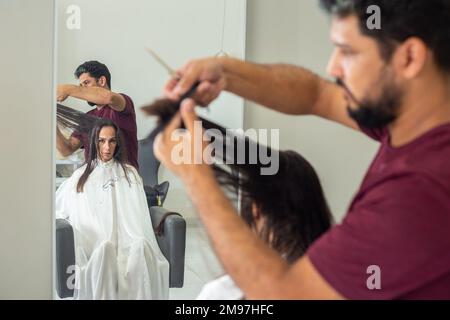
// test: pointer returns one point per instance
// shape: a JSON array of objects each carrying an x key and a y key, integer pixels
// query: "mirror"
[{"x": 116, "y": 33}]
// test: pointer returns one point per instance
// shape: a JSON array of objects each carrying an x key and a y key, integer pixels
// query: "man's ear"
[
  {"x": 411, "y": 57},
  {"x": 102, "y": 81}
]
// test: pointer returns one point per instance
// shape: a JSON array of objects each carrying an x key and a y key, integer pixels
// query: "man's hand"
[
  {"x": 192, "y": 164},
  {"x": 63, "y": 91},
  {"x": 208, "y": 71},
  {"x": 66, "y": 146}
]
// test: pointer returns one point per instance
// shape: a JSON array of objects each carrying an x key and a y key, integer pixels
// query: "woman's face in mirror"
[{"x": 107, "y": 143}]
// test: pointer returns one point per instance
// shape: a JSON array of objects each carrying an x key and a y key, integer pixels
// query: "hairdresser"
[
  {"x": 394, "y": 87},
  {"x": 95, "y": 87}
]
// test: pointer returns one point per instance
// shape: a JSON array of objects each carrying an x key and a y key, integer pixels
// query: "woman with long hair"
[
  {"x": 116, "y": 252},
  {"x": 287, "y": 210}
]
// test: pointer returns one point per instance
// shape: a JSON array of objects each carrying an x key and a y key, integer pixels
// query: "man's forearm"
[
  {"x": 285, "y": 88},
  {"x": 97, "y": 95},
  {"x": 62, "y": 144},
  {"x": 254, "y": 266}
]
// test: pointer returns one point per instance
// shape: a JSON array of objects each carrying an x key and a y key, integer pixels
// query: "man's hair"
[
  {"x": 428, "y": 20},
  {"x": 95, "y": 70},
  {"x": 120, "y": 153}
]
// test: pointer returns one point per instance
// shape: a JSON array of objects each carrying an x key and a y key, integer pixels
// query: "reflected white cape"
[{"x": 116, "y": 252}]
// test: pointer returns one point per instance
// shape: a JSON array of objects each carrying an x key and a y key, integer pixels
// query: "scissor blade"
[{"x": 161, "y": 62}]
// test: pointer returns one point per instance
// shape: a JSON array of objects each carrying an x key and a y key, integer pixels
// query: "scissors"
[
  {"x": 171, "y": 71},
  {"x": 174, "y": 74}
]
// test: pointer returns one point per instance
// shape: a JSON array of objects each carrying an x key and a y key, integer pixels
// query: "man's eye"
[{"x": 347, "y": 52}]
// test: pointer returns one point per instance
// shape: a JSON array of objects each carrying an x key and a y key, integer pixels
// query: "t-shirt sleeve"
[
  {"x": 402, "y": 230},
  {"x": 129, "y": 105},
  {"x": 125, "y": 119}
]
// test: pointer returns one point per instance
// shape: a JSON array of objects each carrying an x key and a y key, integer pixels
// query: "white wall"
[
  {"x": 297, "y": 32},
  {"x": 26, "y": 117}
]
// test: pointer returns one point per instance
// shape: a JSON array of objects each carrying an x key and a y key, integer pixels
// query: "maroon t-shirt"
[
  {"x": 126, "y": 121},
  {"x": 399, "y": 221}
]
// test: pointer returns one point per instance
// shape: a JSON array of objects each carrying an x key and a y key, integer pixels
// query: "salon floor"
[{"x": 201, "y": 264}]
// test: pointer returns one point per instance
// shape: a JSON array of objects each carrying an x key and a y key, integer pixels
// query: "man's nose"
[{"x": 334, "y": 68}]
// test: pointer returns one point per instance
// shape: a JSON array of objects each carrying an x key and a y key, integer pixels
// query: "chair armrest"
[
  {"x": 65, "y": 257},
  {"x": 172, "y": 242}
]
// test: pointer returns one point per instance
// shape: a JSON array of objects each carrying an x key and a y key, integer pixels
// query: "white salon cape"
[
  {"x": 222, "y": 288},
  {"x": 116, "y": 252}
]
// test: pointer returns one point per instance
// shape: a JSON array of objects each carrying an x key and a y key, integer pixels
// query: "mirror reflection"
[{"x": 125, "y": 227}]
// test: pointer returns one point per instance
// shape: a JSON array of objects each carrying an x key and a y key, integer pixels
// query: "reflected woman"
[{"x": 116, "y": 252}]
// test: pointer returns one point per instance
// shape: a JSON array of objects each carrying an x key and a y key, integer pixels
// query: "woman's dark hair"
[
  {"x": 120, "y": 154},
  {"x": 291, "y": 202},
  {"x": 95, "y": 69},
  {"x": 75, "y": 120},
  {"x": 428, "y": 20}
]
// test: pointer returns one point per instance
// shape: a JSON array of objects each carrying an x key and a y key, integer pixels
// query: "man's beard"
[{"x": 376, "y": 113}]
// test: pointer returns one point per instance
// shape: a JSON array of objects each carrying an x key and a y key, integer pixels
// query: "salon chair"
[{"x": 148, "y": 169}]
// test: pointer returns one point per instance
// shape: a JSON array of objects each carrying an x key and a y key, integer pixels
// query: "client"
[{"x": 287, "y": 210}]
